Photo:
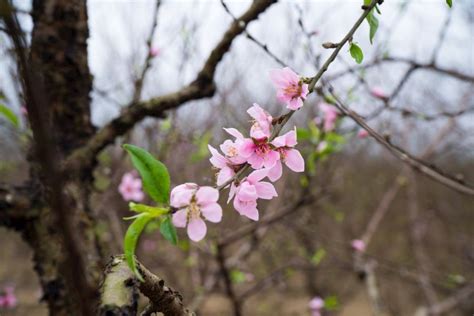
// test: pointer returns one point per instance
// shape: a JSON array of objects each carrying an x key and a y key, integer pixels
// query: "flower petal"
[
  {"x": 180, "y": 218},
  {"x": 234, "y": 132},
  {"x": 217, "y": 160},
  {"x": 275, "y": 172},
  {"x": 196, "y": 229},
  {"x": 257, "y": 175},
  {"x": 265, "y": 190},
  {"x": 294, "y": 160},
  {"x": 224, "y": 175},
  {"x": 206, "y": 195},
  {"x": 247, "y": 208},
  {"x": 246, "y": 192},
  {"x": 212, "y": 212}
]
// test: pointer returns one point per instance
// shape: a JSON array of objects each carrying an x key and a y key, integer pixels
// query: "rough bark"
[{"x": 119, "y": 292}]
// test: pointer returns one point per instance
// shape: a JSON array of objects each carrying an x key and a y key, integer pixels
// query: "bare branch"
[
  {"x": 417, "y": 164},
  {"x": 202, "y": 87}
]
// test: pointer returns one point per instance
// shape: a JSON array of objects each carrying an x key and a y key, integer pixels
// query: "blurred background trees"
[{"x": 414, "y": 87}]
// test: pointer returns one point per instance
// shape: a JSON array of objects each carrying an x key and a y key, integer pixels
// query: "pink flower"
[
  {"x": 226, "y": 167},
  {"x": 131, "y": 187},
  {"x": 231, "y": 149},
  {"x": 316, "y": 305},
  {"x": 262, "y": 122},
  {"x": 195, "y": 203},
  {"x": 257, "y": 152},
  {"x": 155, "y": 51},
  {"x": 23, "y": 110},
  {"x": 248, "y": 191},
  {"x": 379, "y": 93},
  {"x": 362, "y": 134},
  {"x": 322, "y": 146},
  {"x": 291, "y": 157},
  {"x": 330, "y": 114},
  {"x": 289, "y": 87},
  {"x": 8, "y": 299},
  {"x": 358, "y": 245}
]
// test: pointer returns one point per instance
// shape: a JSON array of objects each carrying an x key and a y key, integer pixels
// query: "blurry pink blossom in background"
[
  {"x": 8, "y": 298},
  {"x": 379, "y": 93},
  {"x": 362, "y": 133},
  {"x": 358, "y": 245},
  {"x": 330, "y": 115},
  {"x": 131, "y": 187},
  {"x": 195, "y": 203},
  {"x": 322, "y": 146},
  {"x": 155, "y": 51},
  {"x": 23, "y": 110},
  {"x": 248, "y": 191},
  {"x": 289, "y": 88},
  {"x": 315, "y": 305}
]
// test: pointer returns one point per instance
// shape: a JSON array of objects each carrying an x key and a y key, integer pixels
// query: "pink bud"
[
  {"x": 316, "y": 304},
  {"x": 362, "y": 134},
  {"x": 155, "y": 51},
  {"x": 358, "y": 245},
  {"x": 378, "y": 92}
]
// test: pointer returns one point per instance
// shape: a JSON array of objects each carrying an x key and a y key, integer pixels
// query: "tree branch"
[
  {"x": 16, "y": 206},
  {"x": 119, "y": 292},
  {"x": 417, "y": 164},
  {"x": 202, "y": 87}
]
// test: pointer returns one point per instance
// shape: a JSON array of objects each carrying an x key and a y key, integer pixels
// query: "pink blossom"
[
  {"x": 257, "y": 152},
  {"x": 8, "y": 299},
  {"x": 358, "y": 245},
  {"x": 223, "y": 164},
  {"x": 23, "y": 110},
  {"x": 248, "y": 191},
  {"x": 155, "y": 51},
  {"x": 379, "y": 93},
  {"x": 362, "y": 134},
  {"x": 290, "y": 89},
  {"x": 262, "y": 122},
  {"x": 231, "y": 149},
  {"x": 131, "y": 187},
  {"x": 330, "y": 114},
  {"x": 195, "y": 203},
  {"x": 291, "y": 157},
  {"x": 315, "y": 305},
  {"x": 322, "y": 146}
]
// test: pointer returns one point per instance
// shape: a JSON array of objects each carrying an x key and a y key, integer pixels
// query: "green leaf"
[
  {"x": 9, "y": 115},
  {"x": 356, "y": 53},
  {"x": 154, "y": 174},
  {"x": 130, "y": 241},
  {"x": 168, "y": 230},
  {"x": 449, "y": 3},
  {"x": 318, "y": 256},
  {"x": 151, "y": 210},
  {"x": 373, "y": 25},
  {"x": 237, "y": 276},
  {"x": 302, "y": 134},
  {"x": 331, "y": 303}
]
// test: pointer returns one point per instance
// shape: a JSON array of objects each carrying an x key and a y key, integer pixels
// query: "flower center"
[
  {"x": 262, "y": 149},
  {"x": 293, "y": 90},
  {"x": 194, "y": 210},
  {"x": 282, "y": 152},
  {"x": 232, "y": 152}
]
